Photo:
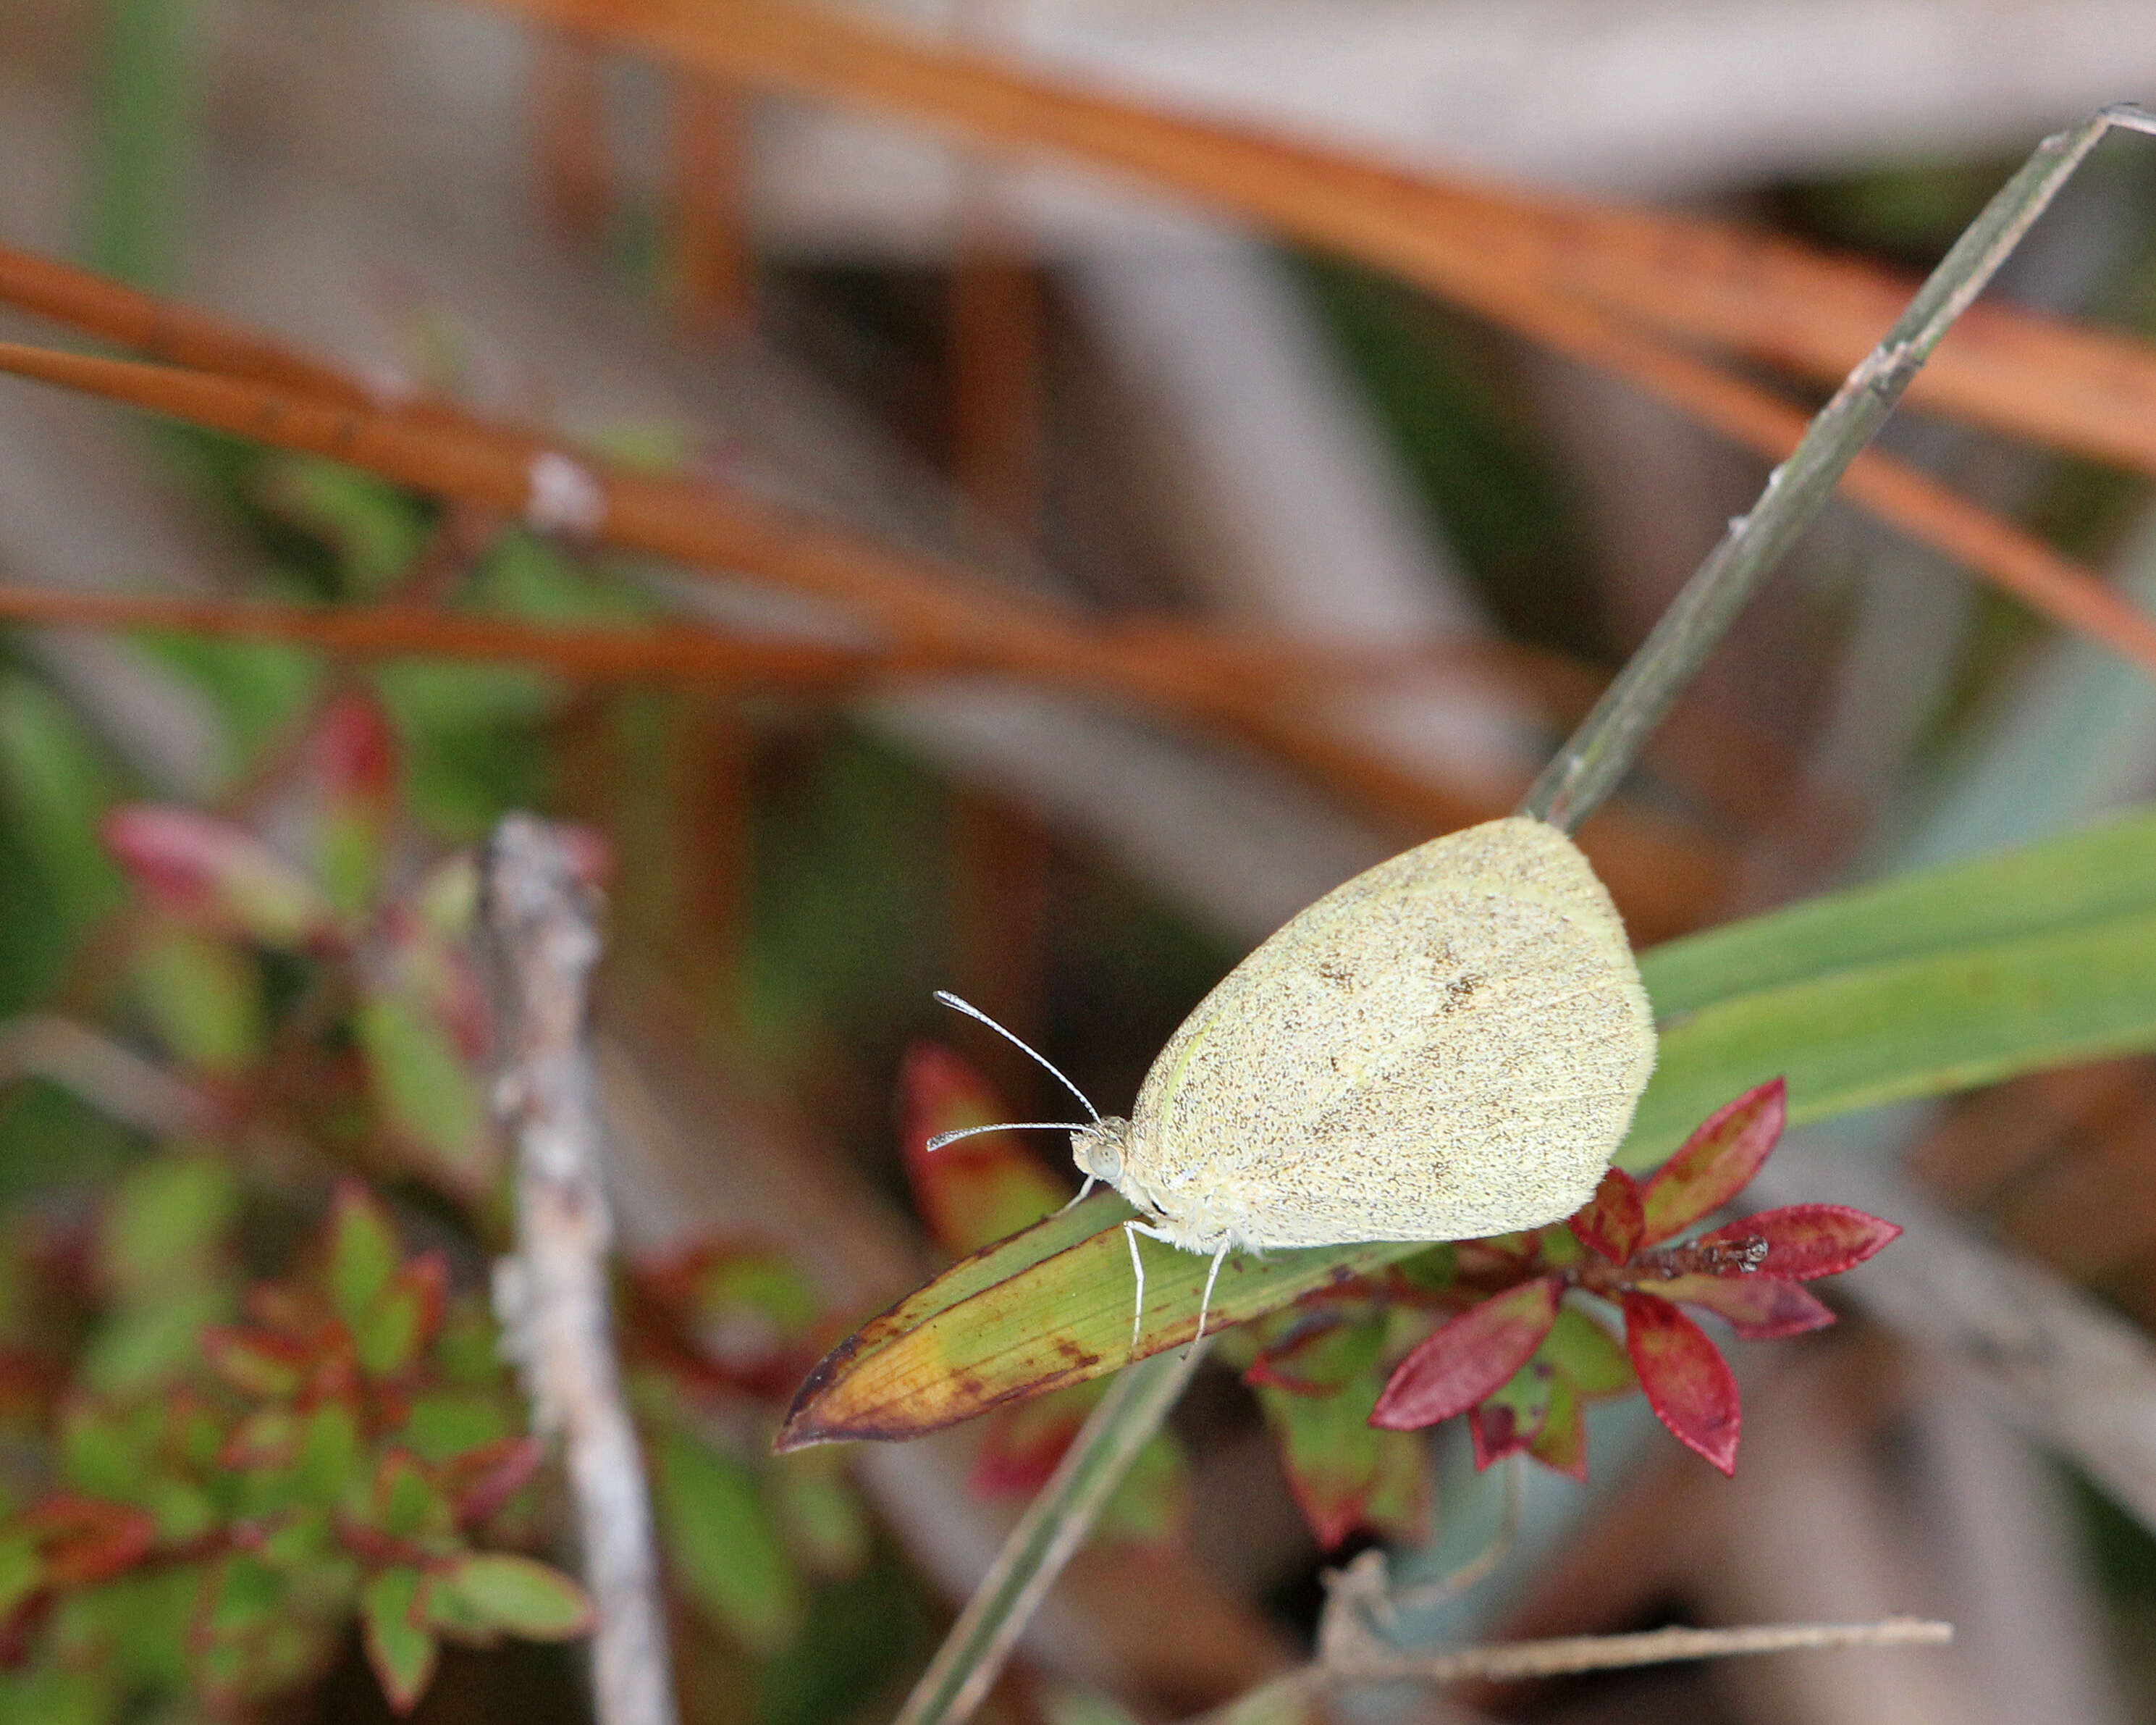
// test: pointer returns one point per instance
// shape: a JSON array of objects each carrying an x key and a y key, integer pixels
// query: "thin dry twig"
[
  {"x": 540, "y": 918},
  {"x": 1773, "y": 298},
  {"x": 1500, "y": 258},
  {"x": 1349, "y": 1652},
  {"x": 233, "y": 380},
  {"x": 915, "y": 602},
  {"x": 1565, "y": 1654},
  {"x": 118, "y": 1081},
  {"x": 672, "y": 650},
  {"x": 394, "y": 630}
]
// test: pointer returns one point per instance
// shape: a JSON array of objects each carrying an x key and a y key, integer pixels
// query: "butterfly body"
[{"x": 1447, "y": 1047}]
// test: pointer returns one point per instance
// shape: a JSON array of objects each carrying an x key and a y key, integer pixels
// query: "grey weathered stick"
[
  {"x": 1513, "y": 1662},
  {"x": 541, "y": 919}
]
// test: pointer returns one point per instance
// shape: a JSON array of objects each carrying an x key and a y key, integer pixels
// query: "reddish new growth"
[{"x": 1490, "y": 1361}]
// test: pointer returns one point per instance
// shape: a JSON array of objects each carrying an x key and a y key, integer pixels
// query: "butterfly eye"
[{"x": 1098, "y": 1150}]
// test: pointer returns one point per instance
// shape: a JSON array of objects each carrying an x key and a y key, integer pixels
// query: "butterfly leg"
[
  {"x": 1205, "y": 1303},
  {"x": 1132, "y": 1230},
  {"x": 1092, "y": 1181}
]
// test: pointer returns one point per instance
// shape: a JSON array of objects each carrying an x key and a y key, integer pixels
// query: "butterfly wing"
[{"x": 1447, "y": 1047}]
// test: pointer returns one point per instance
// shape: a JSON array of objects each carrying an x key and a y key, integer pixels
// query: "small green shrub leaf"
[
  {"x": 723, "y": 1544},
  {"x": 519, "y": 1596},
  {"x": 363, "y": 1250},
  {"x": 400, "y": 1648}
]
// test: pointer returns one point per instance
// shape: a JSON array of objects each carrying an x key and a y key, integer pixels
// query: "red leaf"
[
  {"x": 1468, "y": 1359},
  {"x": 1498, "y": 1431},
  {"x": 1688, "y": 1384},
  {"x": 1511, "y": 1420},
  {"x": 1612, "y": 1221},
  {"x": 84, "y": 1540},
  {"x": 208, "y": 871},
  {"x": 1803, "y": 1241},
  {"x": 1717, "y": 1162},
  {"x": 354, "y": 753},
  {"x": 480, "y": 1481},
  {"x": 978, "y": 1190},
  {"x": 258, "y": 1363},
  {"x": 1759, "y": 1308}
]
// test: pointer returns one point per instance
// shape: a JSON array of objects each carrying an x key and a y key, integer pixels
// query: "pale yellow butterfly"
[{"x": 1448, "y": 1046}]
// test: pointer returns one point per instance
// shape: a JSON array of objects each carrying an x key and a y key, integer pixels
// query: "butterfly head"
[{"x": 1098, "y": 1149}]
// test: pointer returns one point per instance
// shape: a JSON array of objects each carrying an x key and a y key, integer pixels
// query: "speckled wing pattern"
[{"x": 1447, "y": 1047}]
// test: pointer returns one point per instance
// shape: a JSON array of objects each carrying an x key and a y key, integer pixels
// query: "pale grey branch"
[{"x": 540, "y": 918}]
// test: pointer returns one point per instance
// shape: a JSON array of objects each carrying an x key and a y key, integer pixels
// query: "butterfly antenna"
[
  {"x": 943, "y": 1138},
  {"x": 971, "y": 1011}
]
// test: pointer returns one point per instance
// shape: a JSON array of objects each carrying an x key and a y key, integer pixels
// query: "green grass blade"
[{"x": 2104, "y": 870}]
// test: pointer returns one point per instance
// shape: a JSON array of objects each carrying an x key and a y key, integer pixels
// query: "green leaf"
[
  {"x": 824, "y": 1521},
  {"x": 1326, "y": 1352},
  {"x": 519, "y": 1596},
  {"x": 723, "y": 1544},
  {"x": 167, "y": 1224},
  {"x": 1344, "y": 1474},
  {"x": 428, "y": 1095},
  {"x": 406, "y": 1504},
  {"x": 1562, "y": 1442},
  {"x": 1151, "y": 1503},
  {"x": 1909, "y": 1028},
  {"x": 351, "y": 775},
  {"x": 104, "y": 1451},
  {"x": 372, "y": 528},
  {"x": 329, "y": 1454},
  {"x": 1942, "y": 979},
  {"x": 1589, "y": 1357},
  {"x": 2096, "y": 874},
  {"x": 22, "y": 1571},
  {"x": 215, "y": 875},
  {"x": 140, "y": 1625},
  {"x": 260, "y": 1363},
  {"x": 57, "y": 784},
  {"x": 363, "y": 1250},
  {"x": 391, "y": 1333},
  {"x": 402, "y": 1650},
  {"x": 935, "y": 1359},
  {"x": 202, "y": 996},
  {"x": 181, "y": 1510},
  {"x": 443, "y": 1423},
  {"x": 146, "y": 1346},
  {"x": 60, "y": 1697},
  {"x": 243, "y": 1595},
  {"x": 453, "y": 1617}
]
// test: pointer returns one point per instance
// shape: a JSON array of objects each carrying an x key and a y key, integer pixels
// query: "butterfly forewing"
[{"x": 1447, "y": 1047}]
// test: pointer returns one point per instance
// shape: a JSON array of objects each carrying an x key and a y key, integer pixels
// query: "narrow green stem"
[
  {"x": 1602, "y": 750},
  {"x": 1055, "y": 1525},
  {"x": 145, "y": 122}
]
